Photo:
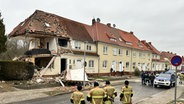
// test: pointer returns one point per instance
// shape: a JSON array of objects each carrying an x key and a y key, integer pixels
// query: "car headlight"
[{"x": 156, "y": 79}]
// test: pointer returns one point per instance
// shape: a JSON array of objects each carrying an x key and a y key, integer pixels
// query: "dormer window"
[
  {"x": 128, "y": 43},
  {"x": 140, "y": 45},
  {"x": 112, "y": 39}
]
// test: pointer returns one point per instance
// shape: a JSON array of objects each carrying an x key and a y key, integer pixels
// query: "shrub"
[
  {"x": 137, "y": 72},
  {"x": 16, "y": 70}
]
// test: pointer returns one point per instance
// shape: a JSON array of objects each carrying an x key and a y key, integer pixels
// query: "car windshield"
[{"x": 164, "y": 75}]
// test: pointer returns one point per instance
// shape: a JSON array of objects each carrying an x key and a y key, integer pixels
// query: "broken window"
[
  {"x": 42, "y": 62},
  {"x": 62, "y": 42}
]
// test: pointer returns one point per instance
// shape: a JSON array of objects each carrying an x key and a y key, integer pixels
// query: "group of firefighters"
[{"x": 104, "y": 95}]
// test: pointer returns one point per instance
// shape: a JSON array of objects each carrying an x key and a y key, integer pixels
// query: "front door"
[
  {"x": 114, "y": 66},
  {"x": 63, "y": 65},
  {"x": 120, "y": 66}
]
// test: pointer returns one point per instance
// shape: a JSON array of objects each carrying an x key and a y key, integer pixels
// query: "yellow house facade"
[{"x": 71, "y": 45}]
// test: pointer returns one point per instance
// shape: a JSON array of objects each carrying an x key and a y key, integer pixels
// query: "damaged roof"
[{"x": 42, "y": 24}]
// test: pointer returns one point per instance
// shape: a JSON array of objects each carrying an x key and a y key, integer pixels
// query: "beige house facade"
[{"x": 57, "y": 44}]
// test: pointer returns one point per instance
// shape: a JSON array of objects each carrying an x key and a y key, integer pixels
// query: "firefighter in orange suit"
[
  {"x": 126, "y": 94},
  {"x": 110, "y": 92},
  {"x": 77, "y": 97},
  {"x": 96, "y": 95}
]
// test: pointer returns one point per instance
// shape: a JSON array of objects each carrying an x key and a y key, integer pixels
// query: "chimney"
[
  {"x": 109, "y": 24},
  {"x": 131, "y": 32},
  {"x": 114, "y": 25},
  {"x": 149, "y": 42},
  {"x": 98, "y": 20},
  {"x": 144, "y": 41},
  {"x": 93, "y": 21}
]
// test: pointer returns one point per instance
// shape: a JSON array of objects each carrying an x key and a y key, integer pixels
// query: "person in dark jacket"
[
  {"x": 142, "y": 76},
  {"x": 152, "y": 77}
]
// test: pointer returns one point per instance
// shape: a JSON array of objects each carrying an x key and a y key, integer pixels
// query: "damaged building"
[{"x": 56, "y": 44}]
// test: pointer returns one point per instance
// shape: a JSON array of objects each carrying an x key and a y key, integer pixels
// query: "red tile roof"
[
  {"x": 41, "y": 24},
  {"x": 151, "y": 47},
  {"x": 104, "y": 33},
  {"x": 167, "y": 55}
]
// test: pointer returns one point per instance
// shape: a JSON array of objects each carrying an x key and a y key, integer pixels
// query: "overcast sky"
[{"x": 158, "y": 21}]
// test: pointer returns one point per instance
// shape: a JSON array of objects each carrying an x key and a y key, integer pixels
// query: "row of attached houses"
[{"x": 57, "y": 44}]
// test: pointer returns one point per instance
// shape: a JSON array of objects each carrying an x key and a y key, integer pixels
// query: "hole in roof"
[
  {"x": 22, "y": 23},
  {"x": 47, "y": 24}
]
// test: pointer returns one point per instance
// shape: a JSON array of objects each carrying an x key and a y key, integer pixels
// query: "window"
[
  {"x": 73, "y": 61},
  {"x": 127, "y": 64},
  {"x": 134, "y": 64},
  {"x": 114, "y": 51},
  {"x": 91, "y": 63},
  {"x": 89, "y": 47},
  {"x": 134, "y": 53},
  {"x": 143, "y": 55},
  {"x": 140, "y": 54},
  {"x": 62, "y": 42},
  {"x": 112, "y": 39},
  {"x": 104, "y": 65},
  {"x": 105, "y": 49},
  {"x": 120, "y": 52},
  {"x": 77, "y": 45},
  {"x": 70, "y": 61},
  {"x": 127, "y": 52},
  {"x": 153, "y": 65},
  {"x": 148, "y": 55}
]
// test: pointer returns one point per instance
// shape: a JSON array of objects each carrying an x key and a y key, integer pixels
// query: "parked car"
[{"x": 165, "y": 79}]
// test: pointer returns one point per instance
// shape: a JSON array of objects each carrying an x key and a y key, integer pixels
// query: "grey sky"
[{"x": 158, "y": 21}]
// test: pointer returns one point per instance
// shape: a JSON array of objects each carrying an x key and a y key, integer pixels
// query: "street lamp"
[{"x": 85, "y": 43}]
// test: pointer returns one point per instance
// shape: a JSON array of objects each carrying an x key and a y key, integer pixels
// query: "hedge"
[{"x": 16, "y": 70}]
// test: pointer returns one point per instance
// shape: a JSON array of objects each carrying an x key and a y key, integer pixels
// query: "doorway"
[{"x": 63, "y": 65}]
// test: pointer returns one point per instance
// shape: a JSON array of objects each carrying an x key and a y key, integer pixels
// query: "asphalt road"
[{"x": 140, "y": 92}]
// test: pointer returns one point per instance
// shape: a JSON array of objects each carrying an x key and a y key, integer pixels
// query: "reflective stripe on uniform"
[{"x": 97, "y": 97}]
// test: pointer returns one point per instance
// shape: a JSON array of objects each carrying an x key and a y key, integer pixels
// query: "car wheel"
[
  {"x": 174, "y": 84},
  {"x": 170, "y": 85}
]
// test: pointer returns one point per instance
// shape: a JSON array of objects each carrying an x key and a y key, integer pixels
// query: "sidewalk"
[
  {"x": 163, "y": 99},
  {"x": 21, "y": 95}
]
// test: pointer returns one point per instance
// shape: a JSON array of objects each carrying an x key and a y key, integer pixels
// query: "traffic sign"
[{"x": 176, "y": 60}]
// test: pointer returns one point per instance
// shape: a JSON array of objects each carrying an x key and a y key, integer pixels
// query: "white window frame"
[
  {"x": 105, "y": 50},
  {"x": 127, "y": 53},
  {"x": 140, "y": 54},
  {"x": 120, "y": 52},
  {"x": 114, "y": 51},
  {"x": 77, "y": 45},
  {"x": 134, "y": 53},
  {"x": 91, "y": 63},
  {"x": 127, "y": 65},
  {"x": 104, "y": 64},
  {"x": 89, "y": 47}
]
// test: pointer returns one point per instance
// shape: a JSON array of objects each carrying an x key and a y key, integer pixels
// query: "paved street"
[{"x": 140, "y": 92}]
